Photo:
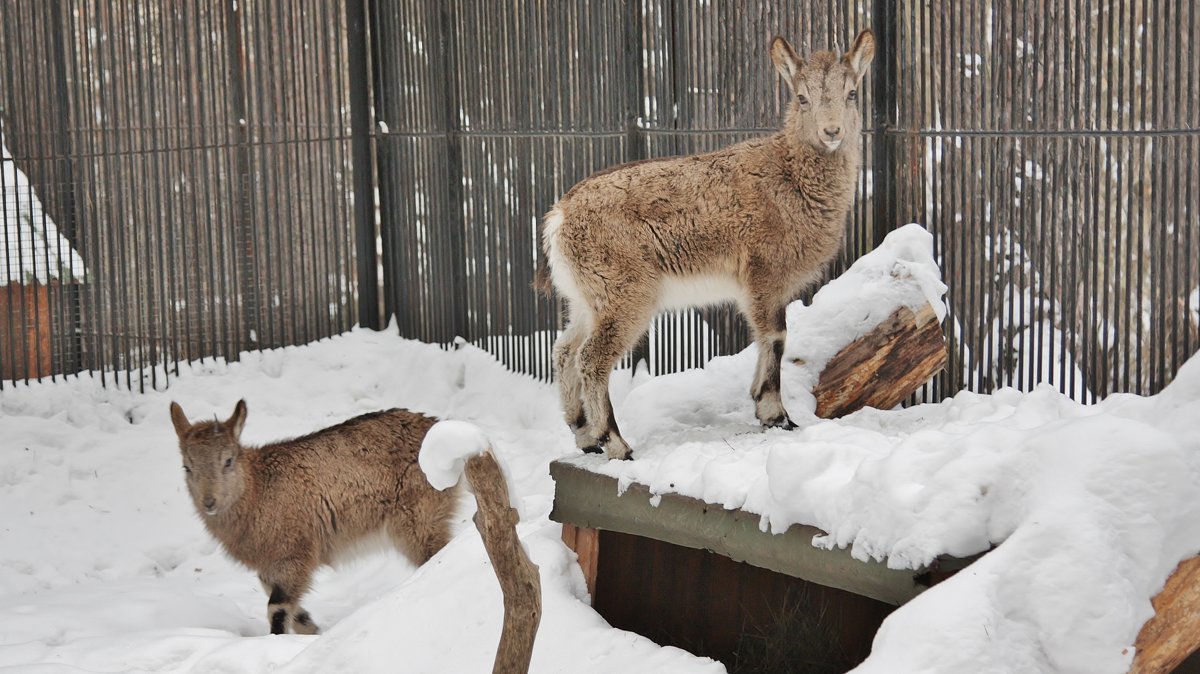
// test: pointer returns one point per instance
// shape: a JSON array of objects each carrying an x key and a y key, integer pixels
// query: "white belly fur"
[{"x": 681, "y": 292}]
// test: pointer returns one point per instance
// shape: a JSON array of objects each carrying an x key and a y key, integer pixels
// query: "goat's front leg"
[
  {"x": 288, "y": 581},
  {"x": 768, "y": 318}
]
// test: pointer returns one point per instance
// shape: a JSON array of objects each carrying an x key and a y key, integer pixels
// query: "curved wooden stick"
[{"x": 518, "y": 576}]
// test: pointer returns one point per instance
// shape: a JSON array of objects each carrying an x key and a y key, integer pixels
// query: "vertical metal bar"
[
  {"x": 151, "y": 248},
  {"x": 634, "y": 60},
  {"x": 244, "y": 267},
  {"x": 68, "y": 217},
  {"x": 360, "y": 143},
  {"x": 454, "y": 177},
  {"x": 884, "y": 197}
]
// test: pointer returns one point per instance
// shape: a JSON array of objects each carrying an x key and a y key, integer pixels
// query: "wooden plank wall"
[{"x": 713, "y": 606}]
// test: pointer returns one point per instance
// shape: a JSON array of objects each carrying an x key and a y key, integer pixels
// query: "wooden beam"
[
  {"x": 883, "y": 367},
  {"x": 519, "y": 580},
  {"x": 590, "y": 500},
  {"x": 1167, "y": 639}
]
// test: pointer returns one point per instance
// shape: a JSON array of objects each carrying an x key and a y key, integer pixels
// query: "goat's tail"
[
  {"x": 541, "y": 279},
  {"x": 542, "y": 282}
]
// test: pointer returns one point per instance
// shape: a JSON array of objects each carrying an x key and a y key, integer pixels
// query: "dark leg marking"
[
  {"x": 770, "y": 383},
  {"x": 278, "y": 620},
  {"x": 303, "y": 618},
  {"x": 597, "y": 448},
  {"x": 278, "y": 596}
]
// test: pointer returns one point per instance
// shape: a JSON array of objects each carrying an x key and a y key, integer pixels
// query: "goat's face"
[
  {"x": 210, "y": 452},
  {"x": 824, "y": 108}
]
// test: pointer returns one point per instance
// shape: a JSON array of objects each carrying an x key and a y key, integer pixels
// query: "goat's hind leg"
[
  {"x": 566, "y": 367},
  {"x": 611, "y": 337}
]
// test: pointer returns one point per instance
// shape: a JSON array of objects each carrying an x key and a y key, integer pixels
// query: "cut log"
[
  {"x": 883, "y": 367},
  {"x": 518, "y": 576},
  {"x": 1167, "y": 639}
]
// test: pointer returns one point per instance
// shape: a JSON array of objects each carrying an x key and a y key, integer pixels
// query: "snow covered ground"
[{"x": 105, "y": 567}]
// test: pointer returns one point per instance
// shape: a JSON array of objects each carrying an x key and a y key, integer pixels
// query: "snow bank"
[
  {"x": 1091, "y": 507},
  {"x": 104, "y": 565},
  {"x": 901, "y": 272}
]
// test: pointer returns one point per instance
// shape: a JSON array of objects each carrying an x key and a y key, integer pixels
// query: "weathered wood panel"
[
  {"x": 711, "y": 605},
  {"x": 25, "y": 319}
]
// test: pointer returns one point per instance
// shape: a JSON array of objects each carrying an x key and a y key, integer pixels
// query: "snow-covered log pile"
[{"x": 870, "y": 337}]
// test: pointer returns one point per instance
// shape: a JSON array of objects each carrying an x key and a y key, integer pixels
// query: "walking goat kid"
[
  {"x": 286, "y": 508},
  {"x": 754, "y": 223}
]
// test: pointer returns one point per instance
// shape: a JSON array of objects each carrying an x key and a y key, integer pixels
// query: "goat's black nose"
[
  {"x": 210, "y": 502},
  {"x": 833, "y": 131}
]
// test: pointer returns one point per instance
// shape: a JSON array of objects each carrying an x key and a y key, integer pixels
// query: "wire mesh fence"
[
  {"x": 1051, "y": 147},
  {"x": 179, "y": 185}
]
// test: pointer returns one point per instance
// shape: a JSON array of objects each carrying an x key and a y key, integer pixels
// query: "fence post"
[
  {"x": 244, "y": 267},
  {"x": 884, "y": 95},
  {"x": 458, "y": 303},
  {"x": 634, "y": 72},
  {"x": 360, "y": 149}
]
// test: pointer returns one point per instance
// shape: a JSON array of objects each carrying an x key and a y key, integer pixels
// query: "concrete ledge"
[{"x": 586, "y": 499}]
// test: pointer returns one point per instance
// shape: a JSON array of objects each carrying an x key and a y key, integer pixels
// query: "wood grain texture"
[
  {"x": 25, "y": 330},
  {"x": 883, "y": 367},
  {"x": 1167, "y": 639},
  {"x": 586, "y": 544},
  {"x": 519, "y": 580}
]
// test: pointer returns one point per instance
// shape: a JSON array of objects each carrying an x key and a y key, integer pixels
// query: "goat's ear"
[
  {"x": 861, "y": 53},
  {"x": 238, "y": 419},
  {"x": 179, "y": 420},
  {"x": 787, "y": 62}
]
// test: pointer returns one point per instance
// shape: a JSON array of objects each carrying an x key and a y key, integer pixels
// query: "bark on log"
[
  {"x": 1167, "y": 639},
  {"x": 883, "y": 367},
  {"x": 518, "y": 576}
]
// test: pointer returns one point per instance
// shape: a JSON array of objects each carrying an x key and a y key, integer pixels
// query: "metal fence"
[
  {"x": 1050, "y": 146},
  {"x": 179, "y": 186}
]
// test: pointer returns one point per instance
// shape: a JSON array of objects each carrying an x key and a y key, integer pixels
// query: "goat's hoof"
[
  {"x": 781, "y": 421},
  {"x": 617, "y": 450}
]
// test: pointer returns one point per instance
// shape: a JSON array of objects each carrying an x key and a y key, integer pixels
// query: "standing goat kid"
[
  {"x": 286, "y": 508},
  {"x": 754, "y": 223}
]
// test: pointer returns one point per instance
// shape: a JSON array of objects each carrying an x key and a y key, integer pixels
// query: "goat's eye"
[
  {"x": 228, "y": 464},
  {"x": 187, "y": 471},
  {"x": 852, "y": 96}
]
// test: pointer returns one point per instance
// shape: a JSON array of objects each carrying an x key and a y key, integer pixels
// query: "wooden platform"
[
  {"x": 587, "y": 500},
  {"x": 690, "y": 574}
]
